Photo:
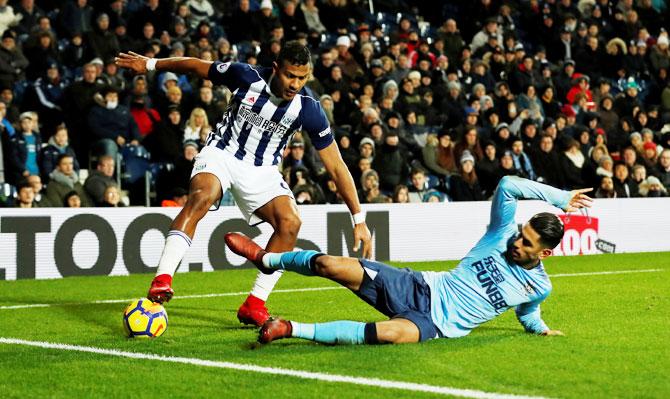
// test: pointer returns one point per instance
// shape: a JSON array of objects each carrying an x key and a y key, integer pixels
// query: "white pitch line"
[
  {"x": 606, "y": 272},
  {"x": 223, "y": 294},
  {"x": 334, "y": 378},
  {"x": 48, "y": 305}
]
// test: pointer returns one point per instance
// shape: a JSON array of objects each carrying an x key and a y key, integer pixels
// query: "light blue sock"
[
  {"x": 297, "y": 261},
  {"x": 334, "y": 332}
]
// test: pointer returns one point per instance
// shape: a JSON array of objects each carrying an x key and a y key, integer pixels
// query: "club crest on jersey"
[
  {"x": 287, "y": 120},
  {"x": 223, "y": 67}
]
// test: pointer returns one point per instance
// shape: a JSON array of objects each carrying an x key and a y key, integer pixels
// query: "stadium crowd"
[{"x": 428, "y": 100}]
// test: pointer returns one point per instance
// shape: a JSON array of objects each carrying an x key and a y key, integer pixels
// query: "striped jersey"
[{"x": 257, "y": 125}]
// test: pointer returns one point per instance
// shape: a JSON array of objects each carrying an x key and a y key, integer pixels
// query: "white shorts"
[{"x": 252, "y": 186}]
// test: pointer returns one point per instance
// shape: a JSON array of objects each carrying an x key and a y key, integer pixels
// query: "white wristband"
[
  {"x": 359, "y": 217},
  {"x": 151, "y": 64}
]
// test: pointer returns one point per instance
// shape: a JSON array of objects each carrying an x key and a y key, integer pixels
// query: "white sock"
[
  {"x": 264, "y": 284},
  {"x": 176, "y": 245}
]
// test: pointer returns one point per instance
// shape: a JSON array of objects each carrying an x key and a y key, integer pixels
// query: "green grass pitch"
[{"x": 616, "y": 344}]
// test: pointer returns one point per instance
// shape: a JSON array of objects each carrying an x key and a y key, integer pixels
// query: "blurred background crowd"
[{"x": 429, "y": 101}]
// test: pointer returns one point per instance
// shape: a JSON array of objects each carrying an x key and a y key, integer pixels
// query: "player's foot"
[
  {"x": 252, "y": 313},
  {"x": 160, "y": 290},
  {"x": 273, "y": 329},
  {"x": 246, "y": 247}
]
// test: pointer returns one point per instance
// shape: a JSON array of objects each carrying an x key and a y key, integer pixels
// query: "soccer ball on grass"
[{"x": 145, "y": 319}]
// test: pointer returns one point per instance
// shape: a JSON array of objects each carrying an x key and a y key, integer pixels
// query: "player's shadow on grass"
[{"x": 99, "y": 315}]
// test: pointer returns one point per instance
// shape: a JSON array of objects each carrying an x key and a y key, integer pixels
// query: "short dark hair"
[
  {"x": 63, "y": 156},
  {"x": 294, "y": 53},
  {"x": 549, "y": 227}
]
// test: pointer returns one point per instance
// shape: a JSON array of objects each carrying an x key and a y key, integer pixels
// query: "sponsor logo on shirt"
[
  {"x": 489, "y": 276},
  {"x": 246, "y": 114},
  {"x": 325, "y": 132}
]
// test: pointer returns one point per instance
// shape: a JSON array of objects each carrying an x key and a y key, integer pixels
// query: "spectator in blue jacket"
[{"x": 24, "y": 151}]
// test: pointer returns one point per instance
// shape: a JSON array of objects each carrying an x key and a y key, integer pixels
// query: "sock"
[
  {"x": 176, "y": 245},
  {"x": 264, "y": 284},
  {"x": 334, "y": 332},
  {"x": 301, "y": 262}
]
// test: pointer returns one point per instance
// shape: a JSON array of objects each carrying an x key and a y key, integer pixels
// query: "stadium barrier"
[{"x": 54, "y": 243}]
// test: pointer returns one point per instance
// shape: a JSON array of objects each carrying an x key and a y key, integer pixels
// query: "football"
[{"x": 145, "y": 319}]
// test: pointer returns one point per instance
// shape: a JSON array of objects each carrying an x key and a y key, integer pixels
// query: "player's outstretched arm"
[
  {"x": 141, "y": 64},
  {"x": 332, "y": 160}
]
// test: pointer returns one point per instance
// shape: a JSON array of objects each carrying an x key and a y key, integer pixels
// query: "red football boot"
[
  {"x": 161, "y": 289},
  {"x": 246, "y": 247},
  {"x": 253, "y": 312},
  {"x": 273, "y": 329}
]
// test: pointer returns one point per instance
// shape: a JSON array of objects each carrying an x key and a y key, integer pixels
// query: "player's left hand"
[
  {"x": 553, "y": 333},
  {"x": 579, "y": 200},
  {"x": 133, "y": 61},
  {"x": 362, "y": 233}
]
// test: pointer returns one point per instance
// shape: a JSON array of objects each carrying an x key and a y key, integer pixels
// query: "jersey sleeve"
[
  {"x": 228, "y": 74},
  {"x": 513, "y": 188},
  {"x": 315, "y": 123},
  {"x": 529, "y": 316}
]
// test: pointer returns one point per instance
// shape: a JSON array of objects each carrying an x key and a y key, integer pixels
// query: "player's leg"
[
  {"x": 343, "y": 270},
  {"x": 282, "y": 214},
  {"x": 394, "y": 331},
  {"x": 205, "y": 190}
]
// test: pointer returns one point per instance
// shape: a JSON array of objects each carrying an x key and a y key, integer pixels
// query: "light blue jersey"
[{"x": 486, "y": 283}]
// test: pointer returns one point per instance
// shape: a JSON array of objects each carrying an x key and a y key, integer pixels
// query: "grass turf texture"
[{"x": 616, "y": 343}]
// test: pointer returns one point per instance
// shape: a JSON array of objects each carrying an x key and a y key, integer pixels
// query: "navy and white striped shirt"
[{"x": 257, "y": 124}]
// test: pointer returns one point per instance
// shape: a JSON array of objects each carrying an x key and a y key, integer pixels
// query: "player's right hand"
[
  {"x": 552, "y": 333},
  {"x": 133, "y": 61},
  {"x": 362, "y": 234}
]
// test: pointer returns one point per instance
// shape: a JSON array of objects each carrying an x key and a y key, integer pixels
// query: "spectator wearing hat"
[
  {"x": 59, "y": 143},
  {"x": 111, "y": 125},
  {"x": 659, "y": 56},
  {"x": 649, "y": 155},
  {"x": 264, "y": 21},
  {"x": 346, "y": 60},
  {"x": 651, "y": 187},
  {"x": 390, "y": 162},
  {"x": 626, "y": 104},
  {"x": 100, "y": 178},
  {"x": 502, "y": 137},
  {"x": 48, "y": 92},
  {"x": 464, "y": 185},
  {"x": 102, "y": 40},
  {"x": 507, "y": 165},
  {"x": 165, "y": 141},
  {"x": 23, "y": 150},
  {"x": 580, "y": 89},
  {"x": 490, "y": 28}
]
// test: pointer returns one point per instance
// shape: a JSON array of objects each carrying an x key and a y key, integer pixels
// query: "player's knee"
[
  {"x": 201, "y": 200},
  {"x": 326, "y": 266},
  {"x": 289, "y": 225},
  {"x": 397, "y": 334}
]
